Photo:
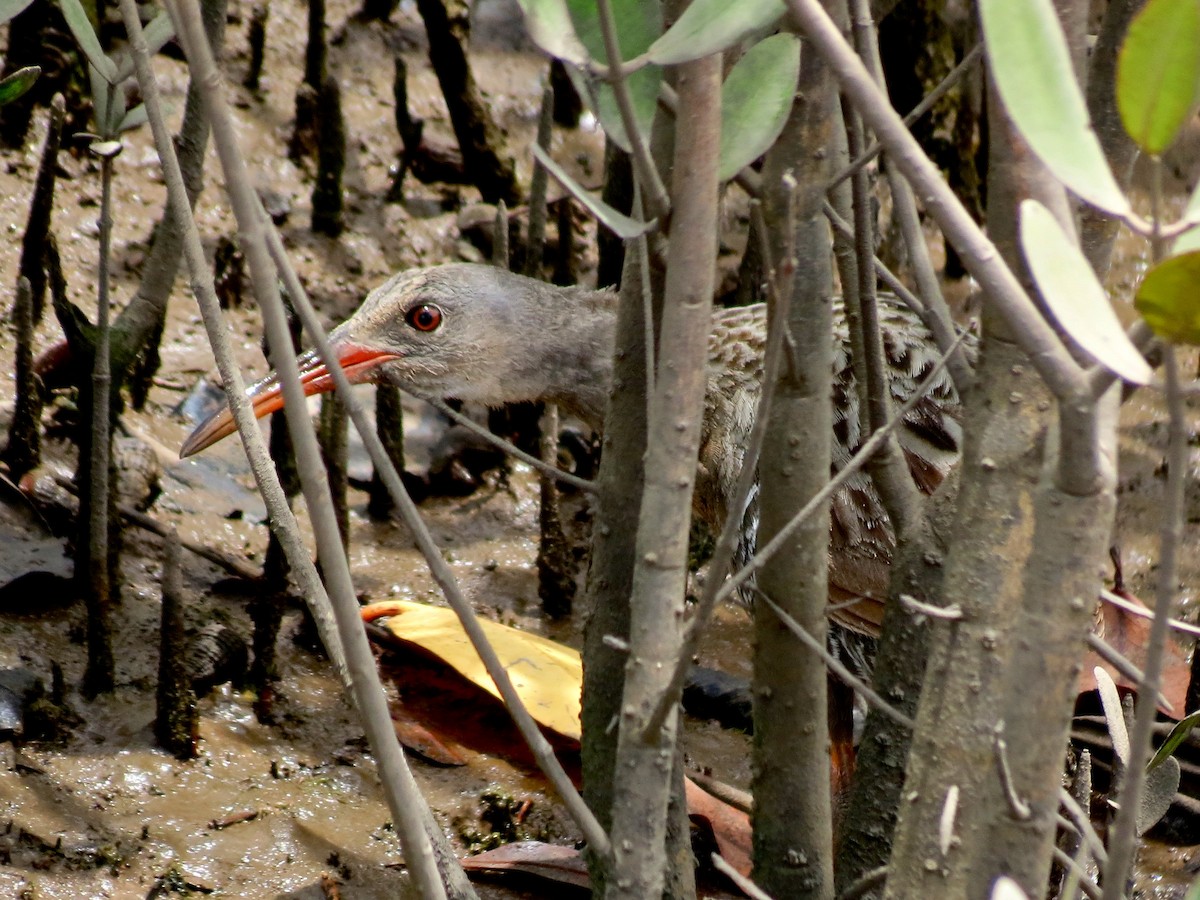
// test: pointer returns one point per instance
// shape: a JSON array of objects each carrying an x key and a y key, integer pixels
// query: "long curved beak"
[{"x": 266, "y": 396}]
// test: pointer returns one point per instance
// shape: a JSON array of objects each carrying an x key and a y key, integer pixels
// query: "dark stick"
[
  {"x": 176, "y": 720},
  {"x": 257, "y": 38},
  {"x": 331, "y": 161},
  {"x": 33, "y": 245},
  {"x": 23, "y": 450}
]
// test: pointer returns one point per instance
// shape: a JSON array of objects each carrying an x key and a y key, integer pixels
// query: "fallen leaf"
[{"x": 547, "y": 675}]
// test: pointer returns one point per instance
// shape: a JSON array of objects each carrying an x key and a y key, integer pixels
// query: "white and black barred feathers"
[{"x": 861, "y": 537}]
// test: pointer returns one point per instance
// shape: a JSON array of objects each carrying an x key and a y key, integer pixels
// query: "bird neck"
[{"x": 567, "y": 355}]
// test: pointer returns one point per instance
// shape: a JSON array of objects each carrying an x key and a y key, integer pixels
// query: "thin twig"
[
  {"x": 951, "y": 613},
  {"x": 508, "y": 447},
  {"x": 1123, "y": 841},
  {"x": 731, "y": 530},
  {"x": 1122, "y": 664},
  {"x": 855, "y": 463},
  {"x": 1140, "y": 611},
  {"x": 404, "y": 798},
  {"x": 927, "y": 102},
  {"x": 886, "y": 275},
  {"x": 904, "y": 211},
  {"x": 438, "y": 567},
  {"x": 1016, "y": 805},
  {"x": 834, "y": 665},
  {"x": 643, "y": 163},
  {"x": 1046, "y": 351},
  {"x": 1086, "y": 884},
  {"x": 744, "y": 884},
  {"x": 865, "y": 884},
  {"x": 1083, "y": 824}
]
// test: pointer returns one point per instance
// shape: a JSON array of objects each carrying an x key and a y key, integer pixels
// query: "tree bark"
[{"x": 792, "y": 806}]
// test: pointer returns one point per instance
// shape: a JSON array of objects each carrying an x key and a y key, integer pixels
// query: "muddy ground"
[{"x": 105, "y": 814}]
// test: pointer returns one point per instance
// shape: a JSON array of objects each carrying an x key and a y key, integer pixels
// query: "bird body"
[{"x": 479, "y": 333}]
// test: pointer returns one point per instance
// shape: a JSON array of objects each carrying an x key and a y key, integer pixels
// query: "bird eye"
[{"x": 424, "y": 317}]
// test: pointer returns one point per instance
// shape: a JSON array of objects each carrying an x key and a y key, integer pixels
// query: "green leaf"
[
  {"x": 160, "y": 30},
  {"x": 710, "y": 26},
  {"x": 639, "y": 23},
  {"x": 1177, "y": 736},
  {"x": 621, "y": 225},
  {"x": 1158, "y": 72},
  {"x": 99, "y": 98},
  {"x": 1075, "y": 296},
  {"x": 1193, "y": 891},
  {"x": 1033, "y": 74},
  {"x": 549, "y": 25},
  {"x": 134, "y": 118},
  {"x": 755, "y": 101},
  {"x": 9, "y": 9},
  {"x": 16, "y": 84},
  {"x": 85, "y": 37},
  {"x": 1168, "y": 299}
]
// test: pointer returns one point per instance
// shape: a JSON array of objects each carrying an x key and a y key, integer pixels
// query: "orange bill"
[{"x": 266, "y": 396}]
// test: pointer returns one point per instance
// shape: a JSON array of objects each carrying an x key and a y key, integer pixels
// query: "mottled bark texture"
[{"x": 792, "y": 807}]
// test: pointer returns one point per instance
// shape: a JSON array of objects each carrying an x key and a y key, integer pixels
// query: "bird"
[{"x": 479, "y": 333}]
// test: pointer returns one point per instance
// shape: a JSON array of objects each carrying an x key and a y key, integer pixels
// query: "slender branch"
[
  {"x": 439, "y": 569},
  {"x": 731, "y": 531},
  {"x": 404, "y": 798},
  {"x": 951, "y": 613},
  {"x": 1134, "y": 609},
  {"x": 940, "y": 90},
  {"x": 834, "y": 665},
  {"x": 1123, "y": 842},
  {"x": 904, "y": 210},
  {"x": 744, "y": 884},
  {"x": 510, "y": 448},
  {"x": 981, "y": 257},
  {"x": 856, "y": 462},
  {"x": 1083, "y": 824},
  {"x": 889, "y": 471},
  {"x": 1086, "y": 884},
  {"x": 867, "y": 883},
  {"x": 643, "y": 163},
  {"x": 886, "y": 275},
  {"x": 1017, "y": 806}
]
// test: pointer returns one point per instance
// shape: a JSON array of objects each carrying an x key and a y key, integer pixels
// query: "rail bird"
[{"x": 481, "y": 334}]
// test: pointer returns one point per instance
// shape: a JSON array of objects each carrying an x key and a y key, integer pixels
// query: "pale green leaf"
[
  {"x": 99, "y": 98},
  {"x": 1032, "y": 71},
  {"x": 85, "y": 37},
  {"x": 9, "y": 9},
  {"x": 135, "y": 118},
  {"x": 618, "y": 223},
  {"x": 638, "y": 24},
  {"x": 1187, "y": 242},
  {"x": 1169, "y": 301},
  {"x": 1158, "y": 72},
  {"x": 16, "y": 84},
  {"x": 1075, "y": 296},
  {"x": 549, "y": 25},
  {"x": 711, "y": 26},
  {"x": 755, "y": 101},
  {"x": 1114, "y": 716}
]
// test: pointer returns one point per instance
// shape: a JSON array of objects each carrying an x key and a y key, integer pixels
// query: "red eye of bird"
[{"x": 424, "y": 317}]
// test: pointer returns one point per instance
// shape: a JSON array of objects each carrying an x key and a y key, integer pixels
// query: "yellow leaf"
[{"x": 547, "y": 675}]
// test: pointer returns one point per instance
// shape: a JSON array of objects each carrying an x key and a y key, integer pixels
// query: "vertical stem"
[{"x": 99, "y": 675}]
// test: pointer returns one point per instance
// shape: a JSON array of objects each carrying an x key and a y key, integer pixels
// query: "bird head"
[{"x": 471, "y": 332}]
